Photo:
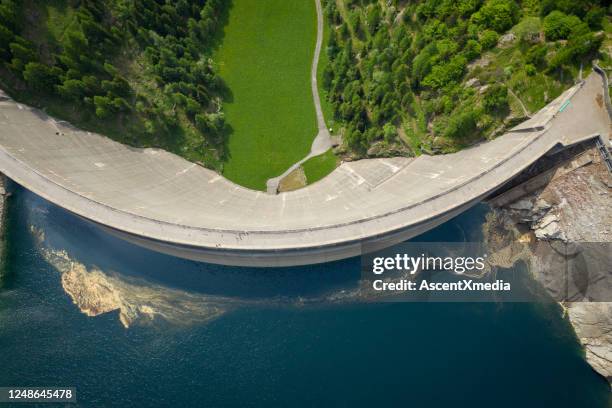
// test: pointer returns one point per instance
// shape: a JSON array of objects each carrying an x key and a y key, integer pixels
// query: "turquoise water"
[{"x": 263, "y": 337}]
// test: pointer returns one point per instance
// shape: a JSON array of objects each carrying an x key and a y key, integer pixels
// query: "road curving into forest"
[{"x": 160, "y": 201}]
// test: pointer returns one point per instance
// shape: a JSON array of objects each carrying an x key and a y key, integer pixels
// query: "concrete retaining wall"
[{"x": 606, "y": 86}]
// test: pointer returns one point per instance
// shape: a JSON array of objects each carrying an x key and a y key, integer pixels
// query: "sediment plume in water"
[
  {"x": 139, "y": 301},
  {"x": 96, "y": 292}
]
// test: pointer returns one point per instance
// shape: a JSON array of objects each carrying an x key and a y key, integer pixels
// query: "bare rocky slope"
[{"x": 546, "y": 228}]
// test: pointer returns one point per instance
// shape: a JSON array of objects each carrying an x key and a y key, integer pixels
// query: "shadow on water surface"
[{"x": 96, "y": 267}]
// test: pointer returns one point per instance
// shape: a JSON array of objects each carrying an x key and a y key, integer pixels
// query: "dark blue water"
[{"x": 224, "y": 336}]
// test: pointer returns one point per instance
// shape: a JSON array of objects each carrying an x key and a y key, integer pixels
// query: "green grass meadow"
[
  {"x": 265, "y": 59},
  {"x": 320, "y": 166}
]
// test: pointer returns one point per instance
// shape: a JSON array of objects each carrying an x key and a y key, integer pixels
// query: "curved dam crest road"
[{"x": 163, "y": 202}]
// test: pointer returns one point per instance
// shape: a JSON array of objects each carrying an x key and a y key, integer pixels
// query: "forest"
[
  {"x": 401, "y": 77},
  {"x": 436, "y": 75},
  {"x": 139, "y": 71}
]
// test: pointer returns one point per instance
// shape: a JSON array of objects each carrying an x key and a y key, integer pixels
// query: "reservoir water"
[{"x": 129, "y": 327}]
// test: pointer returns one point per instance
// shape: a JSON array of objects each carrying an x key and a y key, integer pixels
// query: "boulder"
[
  {"x": 481, "y": 62},
  {"x": 550, "y": 231},
  {"x": 472, "y": 83},
  {"x": 547, "y": 220},
  {"x": 506, "y": 40}
]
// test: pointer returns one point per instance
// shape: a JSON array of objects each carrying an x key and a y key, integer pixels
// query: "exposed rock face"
[
  {"x": 547, "y": 228},
  {"x": 483, "y": 89},
  {"x": 472, "y": 83},
  {"x": 534, "y": 38},
  {"x": 574, "y": 208},
  {"x": 592, "y": 324},
  {"x": 482, "y": 62},
  {"x": 506, "y": 40},
  {"x": 382, "y": 149}
]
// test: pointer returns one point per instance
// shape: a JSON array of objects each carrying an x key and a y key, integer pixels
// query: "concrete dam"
[{"x": 163, "y": 202}]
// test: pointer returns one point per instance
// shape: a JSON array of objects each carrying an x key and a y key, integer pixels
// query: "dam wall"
[{"x": 163, "y": 202}]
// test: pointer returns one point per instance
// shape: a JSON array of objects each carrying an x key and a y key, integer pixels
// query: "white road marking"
[
  {"x": 393, "y": 167},
  {"x": 355, "y": 176},
  {"x": 180, "y": 173}
]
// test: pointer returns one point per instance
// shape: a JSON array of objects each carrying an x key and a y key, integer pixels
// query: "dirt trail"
[{"x": 523, "y": 107}]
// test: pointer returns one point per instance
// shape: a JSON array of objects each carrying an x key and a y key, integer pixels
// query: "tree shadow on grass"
[
  {"x": 224, "y": 136},
  {"x": 224, "y": 11},
  {"x": 223, "y": 90}
]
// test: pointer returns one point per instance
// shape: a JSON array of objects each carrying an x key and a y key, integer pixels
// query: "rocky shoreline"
[{"x": 547, "y": 227}]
